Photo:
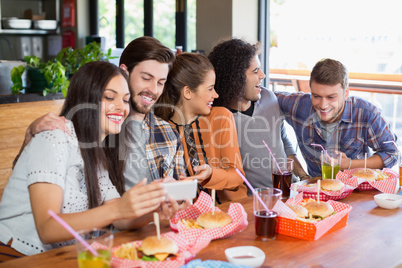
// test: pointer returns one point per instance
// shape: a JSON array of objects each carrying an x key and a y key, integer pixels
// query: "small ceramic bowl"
[
  {"x": 388, "y": 201},
  {"x": 247, "y": 255}
]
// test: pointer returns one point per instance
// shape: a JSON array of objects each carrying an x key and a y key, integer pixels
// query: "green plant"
[
  {"x": 58, "y": 71},
  {"x": 16, "y": 78},
  {"x": 55, "y": 75},
  {"x": 53, "y": 72},
  {"x": 73, "y": 59}
]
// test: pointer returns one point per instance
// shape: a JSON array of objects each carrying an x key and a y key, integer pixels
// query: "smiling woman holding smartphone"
[{"x": 68, "y": 173}]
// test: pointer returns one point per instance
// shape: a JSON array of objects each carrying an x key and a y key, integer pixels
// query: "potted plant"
[
  {"x": 72, "y": 59},
  {"x": 44, "y": 77},
  {"x": 53, "y": 76}
]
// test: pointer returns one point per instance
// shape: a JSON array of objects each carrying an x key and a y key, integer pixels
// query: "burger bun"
[
  {"x": 216, "y": 220},
  {"x": 319, "y": 209},
  {"x": 300, "y": 211},
  {"x": 152, "y": 245},
  {"x": 332, "y": 185},
  {"x": 366, "y": 173}
]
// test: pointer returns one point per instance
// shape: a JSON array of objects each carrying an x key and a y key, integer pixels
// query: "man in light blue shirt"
[{"x": 329, "y": 117}]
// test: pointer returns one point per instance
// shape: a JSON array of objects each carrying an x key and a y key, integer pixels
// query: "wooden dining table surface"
[{"x": 371, "y": 238}]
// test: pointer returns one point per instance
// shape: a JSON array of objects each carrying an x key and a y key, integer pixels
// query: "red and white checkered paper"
[
  {"x": 311, "y": 191},
  {"x": 187, "y": 251},
  {"x": 203, "y": 205},
  {"x": 321, "y": 227},
  {"x": 386, "y": 186}
]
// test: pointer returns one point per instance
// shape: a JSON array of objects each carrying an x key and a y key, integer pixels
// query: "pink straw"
[
  {"x": 325, "y": 151},
  {"x": 273, "y": 157},
  {"x": 252, "y": 189},
  {"x": 71, "y": 231}
]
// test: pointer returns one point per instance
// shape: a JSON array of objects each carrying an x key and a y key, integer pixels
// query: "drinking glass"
[
  {"x": 330, "y": 164},
  {"x": 282, "y": 174},
  {"x": 102, "y": 237},
  {"x": 266, "y": 220},
  {"x": 400, "y": 168}
]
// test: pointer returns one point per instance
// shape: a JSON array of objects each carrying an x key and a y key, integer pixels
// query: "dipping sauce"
[{"x": 244, "y": 257}]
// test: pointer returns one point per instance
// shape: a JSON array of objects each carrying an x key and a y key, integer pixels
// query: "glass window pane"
[
  {"x": 191, "y": 25},
  {"x": 107, "y": 21},
  {"x": 133, "y": 20},
  {"x": 165, "y": 22},
  {"x": 303, "y": 32}
]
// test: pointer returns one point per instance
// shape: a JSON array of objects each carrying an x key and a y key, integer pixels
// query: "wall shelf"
[{"x": 27, "y": 32}]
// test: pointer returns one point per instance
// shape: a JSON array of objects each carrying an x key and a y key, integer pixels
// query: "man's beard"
[{"x": 142, "y": 109}]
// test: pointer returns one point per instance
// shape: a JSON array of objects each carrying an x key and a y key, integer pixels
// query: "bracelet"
[{"x": 350, "y": 163}]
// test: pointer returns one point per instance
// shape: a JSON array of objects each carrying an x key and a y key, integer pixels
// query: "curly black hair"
[{"x": 231, "y": 59}]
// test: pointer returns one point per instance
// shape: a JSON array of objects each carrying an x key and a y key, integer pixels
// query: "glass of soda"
[
  {"x": 282, "y": 174},
  {"x": 102, "y": 241},
  {"x": 330, "y": 164},
  {"x": 266, "y": 220}
]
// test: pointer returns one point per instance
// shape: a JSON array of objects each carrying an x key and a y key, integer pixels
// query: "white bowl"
[
  {"x": 388, "y": 201},
  {"x": 45, "y": 24},
  {"x": 14, "y": 23},
  {"x": 247, "y": 255}
]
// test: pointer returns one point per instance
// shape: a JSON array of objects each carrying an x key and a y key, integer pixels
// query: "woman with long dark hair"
[{"x": 68, "y": 173}]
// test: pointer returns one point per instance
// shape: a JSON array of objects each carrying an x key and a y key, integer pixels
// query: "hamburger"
[
  {"x": 301, "y": 212},
  {"x": 158, "y": 248},
  {"x": 332, "y": 185},
  {"x": 151, "y": 249},
  {"x": 216, "y": 220},
  {"x": 319, "y": 210},
  {"x": 366, "y": 173}
]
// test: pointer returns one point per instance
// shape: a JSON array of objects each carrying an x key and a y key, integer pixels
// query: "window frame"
[{"x": 181, "y": 21}]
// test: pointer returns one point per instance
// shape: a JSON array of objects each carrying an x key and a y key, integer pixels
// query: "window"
[
  {"x": 133, "y": 20},
  {"x": 164, "y": 24},
  {"x": 363, "y": 34},
  {"x": 191, "y": 25},
  {"x": 107, "y": 22}
]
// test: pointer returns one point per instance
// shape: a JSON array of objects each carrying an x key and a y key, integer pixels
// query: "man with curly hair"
[{"x": 255, "y": 109}]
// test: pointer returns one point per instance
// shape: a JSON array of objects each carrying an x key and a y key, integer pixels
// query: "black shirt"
[{"x": 248, "y": 112}]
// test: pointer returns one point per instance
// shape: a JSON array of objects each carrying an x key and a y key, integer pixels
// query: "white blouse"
[{"x": 51, "y": 157}]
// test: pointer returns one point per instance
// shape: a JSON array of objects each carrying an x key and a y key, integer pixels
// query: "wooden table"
[{"x": 372, "y": 238}]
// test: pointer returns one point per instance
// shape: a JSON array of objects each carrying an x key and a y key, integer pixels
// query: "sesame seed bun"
[
  {"x": 152, "y": 245},
  {"x": 368, "y": 174},
  {"x": 218, "y": 219},
  {"x": 332, "y": 185}
]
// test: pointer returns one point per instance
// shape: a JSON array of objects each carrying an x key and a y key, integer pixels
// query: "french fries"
[
  {"x": 127, "y": 251},
  {"x": 381, "y": 175},
  {"x": 190, "y": 224}
]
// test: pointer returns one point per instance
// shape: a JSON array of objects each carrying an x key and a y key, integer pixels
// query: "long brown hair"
[
  {"x": 189, "y": 69},
  {"x": 82, "y": 107}
]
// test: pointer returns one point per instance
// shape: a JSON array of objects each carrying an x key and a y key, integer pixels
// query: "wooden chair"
[{"x": 301, "y": 85}]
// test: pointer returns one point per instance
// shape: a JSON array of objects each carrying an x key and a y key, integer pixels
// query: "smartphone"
[{"x": 181, "y": 190}]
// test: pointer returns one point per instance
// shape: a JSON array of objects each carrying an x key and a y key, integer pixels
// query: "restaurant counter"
[
  {"x": 29, "y": 97},
  {"x": 372, "y": 238}
]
